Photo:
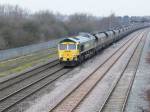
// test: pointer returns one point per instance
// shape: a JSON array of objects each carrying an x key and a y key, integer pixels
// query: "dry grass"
[{"x": 23, "y": 63}]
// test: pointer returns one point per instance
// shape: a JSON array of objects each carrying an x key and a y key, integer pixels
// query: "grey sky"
[{"x": 95, "y": 7}]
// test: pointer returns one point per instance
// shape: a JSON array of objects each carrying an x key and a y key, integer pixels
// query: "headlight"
[{"x": 74, "y": 55}]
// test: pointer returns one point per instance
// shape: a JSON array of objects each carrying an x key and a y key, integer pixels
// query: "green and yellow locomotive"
[{"x": 74, "y": 50}]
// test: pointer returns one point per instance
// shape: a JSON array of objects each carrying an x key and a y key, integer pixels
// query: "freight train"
[{"x": 74, "y": 50}]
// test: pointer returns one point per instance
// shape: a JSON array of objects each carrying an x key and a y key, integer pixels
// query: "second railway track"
[
  {"x": 27, "y": 85},
  {"x": 118, "y": 95},
  {"x": 77, "y": 95},
  {"x": 26, "y": 75}
]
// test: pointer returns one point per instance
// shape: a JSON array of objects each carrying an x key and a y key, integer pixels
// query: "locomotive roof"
[{"x": 77, "y": 39}]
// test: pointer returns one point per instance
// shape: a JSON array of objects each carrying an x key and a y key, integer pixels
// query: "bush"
[{"x": 19, "y": 28}]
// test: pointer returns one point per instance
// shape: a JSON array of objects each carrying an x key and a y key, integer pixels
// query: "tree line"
[{"x": 19, "y": 27}]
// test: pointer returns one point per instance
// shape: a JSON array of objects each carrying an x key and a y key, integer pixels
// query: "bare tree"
[{"x": 18, "y": 27}]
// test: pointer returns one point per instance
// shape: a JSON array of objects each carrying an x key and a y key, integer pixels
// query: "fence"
[{"x": 16, "y": 52}]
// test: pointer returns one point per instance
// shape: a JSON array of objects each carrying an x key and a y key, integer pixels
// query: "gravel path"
[{"x": 139, "y": 96}]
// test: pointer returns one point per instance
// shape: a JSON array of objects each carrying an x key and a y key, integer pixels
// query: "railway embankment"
[{"x": 21, "y": 64}]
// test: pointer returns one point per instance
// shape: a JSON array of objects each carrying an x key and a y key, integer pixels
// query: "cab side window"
[{"x": 82, "y": 48}]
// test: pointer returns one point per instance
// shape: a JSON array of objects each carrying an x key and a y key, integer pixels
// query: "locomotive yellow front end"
[{"x": 68, "y": 53}]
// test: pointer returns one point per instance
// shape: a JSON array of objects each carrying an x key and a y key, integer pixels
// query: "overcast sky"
[{"x": 94, "y": 7}]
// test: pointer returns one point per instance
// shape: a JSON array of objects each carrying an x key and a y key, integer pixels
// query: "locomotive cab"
[
  {"x": 68, "y": 51},
  {"x": 74, "y": 50}
]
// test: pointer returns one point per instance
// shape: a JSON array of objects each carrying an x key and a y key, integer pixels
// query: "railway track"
[
  {"x": 70, "y": 102},
  {"x": 28, "y": 74},
  {"x": 118, "y": 95},
  {"x": 27, "y": 84}
]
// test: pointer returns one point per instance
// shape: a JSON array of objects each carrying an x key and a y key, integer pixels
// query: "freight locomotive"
[{"x": 74, "y": 50}]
